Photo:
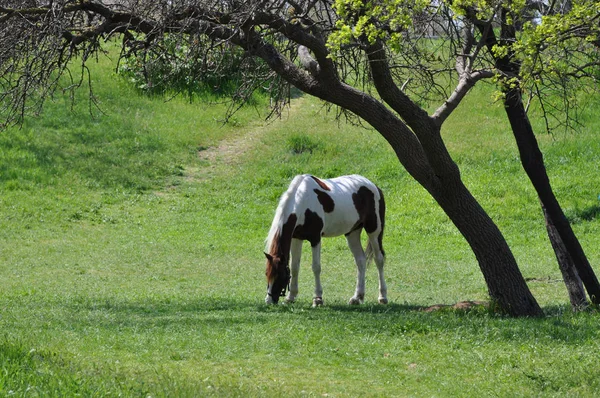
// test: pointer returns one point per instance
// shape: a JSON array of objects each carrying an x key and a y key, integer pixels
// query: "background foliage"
[{"x": 179, "y": 68}]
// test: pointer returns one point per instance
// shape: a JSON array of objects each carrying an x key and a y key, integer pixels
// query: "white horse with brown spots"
[{"x": 312, "y": 208}]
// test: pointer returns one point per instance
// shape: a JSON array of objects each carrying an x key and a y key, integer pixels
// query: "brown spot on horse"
[
  {"x": 311, "y": 229},
  {"x": 321, "y": 183},
  {"x": 364, "y": 202},
  {"x": 325, "y": 200}
]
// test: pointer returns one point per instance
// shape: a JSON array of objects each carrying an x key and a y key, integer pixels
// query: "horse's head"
[{"x": 278, "y": 278}]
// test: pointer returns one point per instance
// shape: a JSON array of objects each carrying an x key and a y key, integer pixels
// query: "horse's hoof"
[
  {"x": 317, "y": 302},
  {"x": 290, "y": 300},
  {"x": 383, "y": 300},
  {"x": 355, "y": 301}
]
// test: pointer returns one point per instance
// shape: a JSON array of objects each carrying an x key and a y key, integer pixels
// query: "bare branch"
[{"x": 461, "y": 90}]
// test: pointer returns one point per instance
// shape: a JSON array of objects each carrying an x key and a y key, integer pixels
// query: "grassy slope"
[{"x": 131, "y": 265}]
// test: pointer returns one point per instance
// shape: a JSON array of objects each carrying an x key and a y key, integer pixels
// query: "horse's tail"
[{"x": 369, "y": 252}]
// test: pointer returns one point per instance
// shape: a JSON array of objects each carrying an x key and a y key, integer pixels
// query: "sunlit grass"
[{"x": 131, "y": 262}]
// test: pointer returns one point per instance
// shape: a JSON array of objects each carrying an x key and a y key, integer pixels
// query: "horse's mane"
[{"x": 283, "y": 210}]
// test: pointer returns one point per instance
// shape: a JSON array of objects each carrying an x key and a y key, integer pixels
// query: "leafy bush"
[
  {"x": 301, "y": 143},
  {"x": 192, "y": 68}
]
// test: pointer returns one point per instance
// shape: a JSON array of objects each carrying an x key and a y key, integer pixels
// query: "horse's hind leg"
[
  {"x": 355, "y": 246},
  {"x": 295, "y": 268},
  {"x": 377, "y": 253}
]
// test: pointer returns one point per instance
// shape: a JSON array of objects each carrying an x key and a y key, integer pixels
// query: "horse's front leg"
[
  {"x": 296, "y": 255},
  {"x": 316, "y": 267},
  {"x": 361, "y": 266}
]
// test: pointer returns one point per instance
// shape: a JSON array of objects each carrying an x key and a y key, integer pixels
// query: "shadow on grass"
[
  {"x": 212, "y": 305},
  {"x": 104, "y": 156},
  {"x": 590, "y": 213},
  {"x": 560, "y": 324}
]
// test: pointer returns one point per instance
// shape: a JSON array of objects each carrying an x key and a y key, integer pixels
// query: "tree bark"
[
  {"x": 569, "y": 273},
  {"x": 506, "y": 285}
]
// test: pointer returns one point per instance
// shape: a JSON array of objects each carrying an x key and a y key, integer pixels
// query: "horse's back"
[{"x": 340, "y": 202}]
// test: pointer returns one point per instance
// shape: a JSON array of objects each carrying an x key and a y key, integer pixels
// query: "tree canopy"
[{"x": 434, "y": 48}]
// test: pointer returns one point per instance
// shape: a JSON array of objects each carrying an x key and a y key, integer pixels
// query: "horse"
[{"x": 313, "y": 208}]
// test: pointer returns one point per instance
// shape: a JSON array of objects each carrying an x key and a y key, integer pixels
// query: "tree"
[
  {"x": 573, "y": 30},
  {"x": 342, "y": 46}
]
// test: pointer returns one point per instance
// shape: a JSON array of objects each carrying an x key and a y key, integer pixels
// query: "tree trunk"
[
  {"x": 567, "y": 266},
  {"x": 532, "y": 158},
  {"x": 533, "y": 164},
  {"x": 506, "y": 285}
]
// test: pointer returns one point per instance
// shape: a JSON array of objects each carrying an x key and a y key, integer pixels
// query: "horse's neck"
[
  {"x": 285, "y": 209},
  {"x": 283, "y": 239}
]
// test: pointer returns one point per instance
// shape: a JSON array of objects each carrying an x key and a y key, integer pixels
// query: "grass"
[{"x": 131, "y": 262}]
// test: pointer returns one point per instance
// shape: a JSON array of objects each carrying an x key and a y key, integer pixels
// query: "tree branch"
[
  {"x": 308, "y": 62},
  {"x": 296, "y": 33},
  {"x": 425, "y": 127},
  {"x": 461, "y": 90}
]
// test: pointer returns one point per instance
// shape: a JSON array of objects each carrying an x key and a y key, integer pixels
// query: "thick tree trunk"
[
  {"x": 533, "y": 164},
  {"x": 506, "y": 285},
  {"x": 567, "y": 266}
]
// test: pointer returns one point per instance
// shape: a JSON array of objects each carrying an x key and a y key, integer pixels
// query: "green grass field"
[{"x": 131, "y": 258}]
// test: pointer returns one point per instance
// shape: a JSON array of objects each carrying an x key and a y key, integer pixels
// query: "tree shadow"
[
  {"x": 590, "y": 213},
  {"x": 394, "y": 320}
]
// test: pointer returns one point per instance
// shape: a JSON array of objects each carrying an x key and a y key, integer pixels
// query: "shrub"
[
  {"x": 192, "y": 68},
  {"x": 301, "y": 143}
]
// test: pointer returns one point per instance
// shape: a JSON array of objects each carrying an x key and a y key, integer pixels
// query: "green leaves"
[
  {"x": 555, "y": 43},
  {"x": 372, "y": 20}
]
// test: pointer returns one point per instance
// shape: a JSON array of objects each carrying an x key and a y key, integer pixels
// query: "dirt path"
[{"x": 230, "y": 151}]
